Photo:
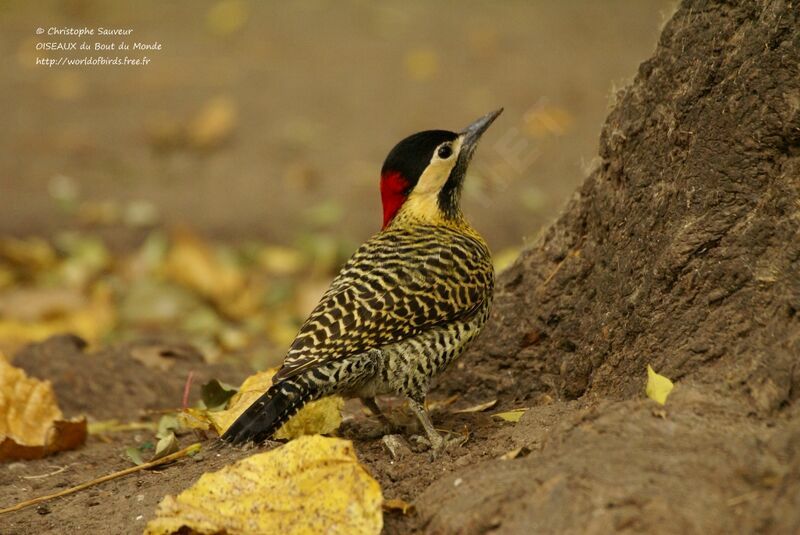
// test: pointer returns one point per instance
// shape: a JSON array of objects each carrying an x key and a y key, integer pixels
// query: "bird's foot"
[{"x": 436, "y": 444}]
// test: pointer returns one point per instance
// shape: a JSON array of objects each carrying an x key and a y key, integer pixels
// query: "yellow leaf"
[
  {"x": 227, "y": 17},
  {"x": 511, "y": 416},
  {"x": 311, "y": 485},
  {"x": 505, "y": 258},
  {"x": 396, "y": 504},
  {"x": 318, "y": 417},
  {"x": 214, "y": 124},
  {"x": 31, "y": 424},
  {"x": 658, "y": 386},
  {"x": 515, "y": 453},
  {"x": 281, "y": 261},
  {"x": 90, "y": 322},
  {"x": 196, "y": 266},
  {"x": 32, "y": 253},
  {"x": 115, "y": 426}
]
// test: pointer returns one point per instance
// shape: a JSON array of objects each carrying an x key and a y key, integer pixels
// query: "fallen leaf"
[
  {"x": 151, "y": 302},
  {"x": 515, "y": 453},
  {"x": 7, "y": 277},
  {"x": 32, "y": 253},
  {"x": 477, "y": 408},
  {"x": 396, "y": 504},
  {"x": 115, "y": 426},
  {"x": 281, "y": 261},
  {"x": 64, "y": 191},
  {"x": 31, "y": 423},
  {"x": 135, "y": 455},
  {"x": 213, "y": 125},
  {"x": 233, "y": 339},
  {"x": 658, "y": 387},
  {"x": 511, "y": 416},
  {"x": 90, "y": 322},
  {"x": 166, "y": 425},
  {"x": 434, "y": 404},
  {"x": 31, "y": 304},
  {"x": 86, "y": 258},
  {"x": 227, "y": 17},
  {"x": 165, "y": 446},
  {"x": 318, "y": 417},
  {"x": 311, "y": 485},
  {"x": 215, "y": 395},
  {"x": 99, "y": 212},
  {"x": 192, "y": 263},
  {"x": 505, "y": 258}
]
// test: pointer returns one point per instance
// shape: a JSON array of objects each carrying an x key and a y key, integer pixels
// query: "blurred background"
[{"x": 211, "y": 194}]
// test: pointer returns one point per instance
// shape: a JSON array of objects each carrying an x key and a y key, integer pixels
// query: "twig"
[
  {"x": 58, "y": 470},
  {"x": 186, "y": 389},
  {"x": 169, "y": 458}
]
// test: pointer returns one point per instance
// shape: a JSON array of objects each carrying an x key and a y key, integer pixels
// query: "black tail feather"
[{"x": 266, "y": 415}]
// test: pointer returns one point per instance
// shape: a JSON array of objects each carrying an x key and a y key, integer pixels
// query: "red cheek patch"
[{"x": 394, "y": 190}]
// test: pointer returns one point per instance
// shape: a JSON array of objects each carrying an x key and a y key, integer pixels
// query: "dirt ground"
[
  {"x": 111, "y": 384},
  {"x": 679, "y": 250}
]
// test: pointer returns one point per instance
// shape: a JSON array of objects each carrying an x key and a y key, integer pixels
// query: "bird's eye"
[{"x": 444, "y": 152}]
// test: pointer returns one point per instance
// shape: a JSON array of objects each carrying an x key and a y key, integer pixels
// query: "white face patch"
[{"x": 423, "y": 203}]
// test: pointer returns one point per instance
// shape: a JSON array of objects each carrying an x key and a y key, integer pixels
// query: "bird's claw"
[{"x": 436, "y": 444}]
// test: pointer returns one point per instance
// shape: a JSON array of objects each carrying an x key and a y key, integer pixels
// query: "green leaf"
[
  {"x": 166, "y": 446},
  {"x": 215, "y": 395},
  {"x": 166, "y": 425},
  {"x": 134, "y": 454}
]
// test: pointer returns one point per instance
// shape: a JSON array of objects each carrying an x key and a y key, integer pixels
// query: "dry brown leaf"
[
  {"x": 477, "y": 408},
  {"x": 434, "y": 404},
  {"x": 311, "y": 485},
  {"x": 31, "y": 423}
]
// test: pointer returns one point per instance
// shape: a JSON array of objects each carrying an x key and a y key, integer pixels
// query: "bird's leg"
[{"x": 436, "y": 441}]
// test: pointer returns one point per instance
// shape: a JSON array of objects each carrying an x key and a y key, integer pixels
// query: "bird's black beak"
[
  {"x": 450, "y": 194},
  {"x": 473, "y": 133}
]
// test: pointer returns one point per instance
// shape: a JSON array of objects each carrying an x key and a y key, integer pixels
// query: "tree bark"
[{"x": 681, "y": 250}]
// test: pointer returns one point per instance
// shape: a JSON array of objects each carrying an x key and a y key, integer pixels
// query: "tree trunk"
[{"x": 681, "y": 250}]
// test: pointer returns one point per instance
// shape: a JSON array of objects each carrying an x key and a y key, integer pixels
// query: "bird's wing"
[{"x": 395, "y": 286}]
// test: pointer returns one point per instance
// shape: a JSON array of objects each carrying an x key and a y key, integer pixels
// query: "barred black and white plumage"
[{"x": 406, "y": 303}]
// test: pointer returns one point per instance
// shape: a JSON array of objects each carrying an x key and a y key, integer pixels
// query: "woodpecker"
[{"x": 406, "y": 304}]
